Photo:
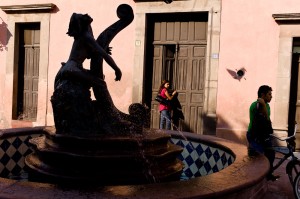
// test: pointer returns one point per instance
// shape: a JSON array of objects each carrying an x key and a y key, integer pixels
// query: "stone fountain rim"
[{"x": 233, "y": 179}]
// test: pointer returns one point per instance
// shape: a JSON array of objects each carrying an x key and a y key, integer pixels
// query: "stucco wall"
[
  {"x": 250, "y": 38},
  {"x": 104, "y": 14},
  {"x": 3, "y": 42}
]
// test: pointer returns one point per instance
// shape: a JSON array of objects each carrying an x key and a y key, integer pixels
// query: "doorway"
[
  {"x": 26, "y": 72},
  {"x": 175, "y": 50}
]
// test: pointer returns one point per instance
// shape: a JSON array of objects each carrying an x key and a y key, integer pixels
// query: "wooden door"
[
  {"x": 28, "y": 71},
  {"x": 188, "y": 79},
  {"x": 294, "y": 105},
  {"x": 179, "y": 49}
]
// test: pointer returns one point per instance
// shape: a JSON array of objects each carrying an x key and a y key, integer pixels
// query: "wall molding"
[
  {"x": 287, "y": 18},
  {"x": 31, "y": 8}
]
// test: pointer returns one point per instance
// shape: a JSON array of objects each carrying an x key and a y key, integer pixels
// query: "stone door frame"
[
  {"x": 212, "y": 52},
  {"x": 287, "y": 31},
  {"x": 38, "y": 13}
]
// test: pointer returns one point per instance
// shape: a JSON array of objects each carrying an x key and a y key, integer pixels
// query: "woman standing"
[{"x": 165, "y": 110}]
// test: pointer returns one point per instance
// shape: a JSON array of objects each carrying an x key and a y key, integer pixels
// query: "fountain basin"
[
  {"x": 105, "y": 159},
  {"x": 239, "y": 176}
]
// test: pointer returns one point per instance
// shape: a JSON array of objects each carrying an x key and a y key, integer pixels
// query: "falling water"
[
  {"x": 147, "y": 164},
  {"x": 183, "y": 177}
]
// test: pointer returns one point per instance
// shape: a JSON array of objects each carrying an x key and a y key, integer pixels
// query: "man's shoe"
[{"x": 272, "y": 177}]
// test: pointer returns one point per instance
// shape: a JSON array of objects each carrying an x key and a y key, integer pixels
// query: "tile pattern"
[
  {"x": 12, "y": 155},
  {"x": 200, "y": 159}
]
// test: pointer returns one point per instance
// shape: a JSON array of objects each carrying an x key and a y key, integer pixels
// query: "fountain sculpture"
[
  {"x": 92, "y": 140},
  {"x": 93, "y": 143}
]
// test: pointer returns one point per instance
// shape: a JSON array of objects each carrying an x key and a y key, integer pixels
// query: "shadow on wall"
[
  {"x": 5, "y": 35},
  {"x": 209, "y": 125},
  {"x": 226, "y": 131}
]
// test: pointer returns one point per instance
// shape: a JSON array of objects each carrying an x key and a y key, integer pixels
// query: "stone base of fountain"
[{"x": 105, "y": 159}]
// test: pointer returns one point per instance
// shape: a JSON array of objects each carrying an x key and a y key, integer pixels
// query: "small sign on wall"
[
  {"x": 215, "y": 55},
  {"x": 137, "y": 42}
]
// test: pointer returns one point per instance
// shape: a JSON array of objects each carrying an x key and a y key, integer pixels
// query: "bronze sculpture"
[{"x": 74, "y": 111}]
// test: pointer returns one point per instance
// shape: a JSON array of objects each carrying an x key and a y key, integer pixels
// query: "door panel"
[
  {"x": 31, "y": 77},
  {"x": 156, "y": 80},
  {"x": 28, "y": 71},
  {"x": 190, "y": 85}
]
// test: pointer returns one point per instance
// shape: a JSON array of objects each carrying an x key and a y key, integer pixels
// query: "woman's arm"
[
  {"x": 170, "y": 96},
  {"x": 97, "y": 49}
]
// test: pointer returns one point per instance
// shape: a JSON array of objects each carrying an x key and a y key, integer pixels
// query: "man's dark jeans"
[{"x": 263, "y": 148}]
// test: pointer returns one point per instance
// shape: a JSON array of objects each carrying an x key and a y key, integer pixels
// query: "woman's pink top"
[{"x": 162, "y": 106}]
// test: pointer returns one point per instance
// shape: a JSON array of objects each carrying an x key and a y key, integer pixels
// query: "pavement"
[{"x": 281, "y": 188}]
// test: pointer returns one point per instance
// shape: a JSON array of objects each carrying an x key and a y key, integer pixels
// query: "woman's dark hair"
[
  {"x": 264, "y": 89},
  {"x": 162, "y": 85},
  {"x": 78, "y": 24}
]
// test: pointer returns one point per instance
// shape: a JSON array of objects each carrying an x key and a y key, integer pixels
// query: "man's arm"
[{"x": 263, "y": 105}]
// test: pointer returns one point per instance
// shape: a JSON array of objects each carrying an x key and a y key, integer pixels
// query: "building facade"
[{"x": 215, "y": 53}]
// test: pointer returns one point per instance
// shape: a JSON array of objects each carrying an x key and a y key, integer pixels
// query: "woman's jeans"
[{"x": 165, "y": 118}]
